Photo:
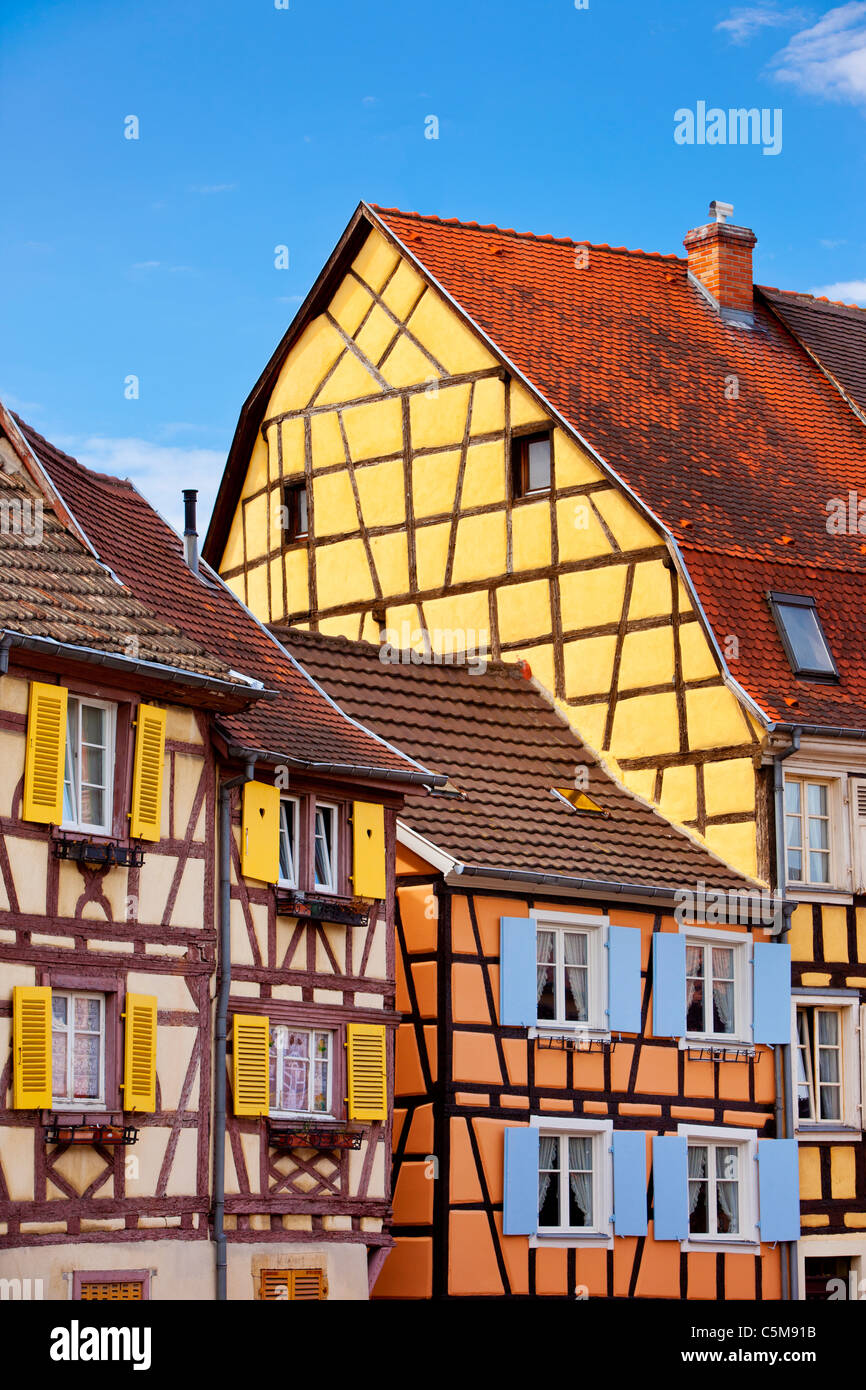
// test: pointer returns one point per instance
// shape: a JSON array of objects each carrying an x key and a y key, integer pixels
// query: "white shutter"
[{"x": 857, "y": 793}]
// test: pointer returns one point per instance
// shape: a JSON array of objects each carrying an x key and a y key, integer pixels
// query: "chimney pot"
[{"x": 190, "y": 533}]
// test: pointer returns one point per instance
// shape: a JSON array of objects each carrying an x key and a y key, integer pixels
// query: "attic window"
[
  {"x": 531, "y": 456},
  {"x": 578, "y": 800},
  {"x": 803, "y": 636},
  {"x": 295, "y": 523}
]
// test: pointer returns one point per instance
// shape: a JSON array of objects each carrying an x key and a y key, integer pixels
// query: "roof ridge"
[
  {"x": 820, "y": 299},
  {"x": 546, "y": 238},
  {"x": 63, "y": 457}
]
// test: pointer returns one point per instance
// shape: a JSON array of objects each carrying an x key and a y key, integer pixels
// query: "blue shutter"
[
  {"x": 669, "y": 985},
  {"x": 520, "y": 1208},
  {"x": 772, "y": 989},
  {"x": 778, "y": 1188},
  {"x": 670, "y": 1187},
  {"x": 624, "y": 981},
  {"x": 629, "y": 1182},
  {"x": 518, "y": 997}
]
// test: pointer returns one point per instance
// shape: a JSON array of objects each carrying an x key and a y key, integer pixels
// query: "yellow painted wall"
[{"x": 387, "y": 401}]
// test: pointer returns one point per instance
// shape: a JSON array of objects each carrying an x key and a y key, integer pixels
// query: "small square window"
[
  {"x": 531, "y": 459},
  {"x": 294, "y": 519},
  {"x": 88, "y": 782},
  {"x": 803, "y": 636}
]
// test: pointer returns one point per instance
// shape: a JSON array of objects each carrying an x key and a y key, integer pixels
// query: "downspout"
[
  {"x": 220, "y": 1027},
  {"x": 784, "y": 1107}
]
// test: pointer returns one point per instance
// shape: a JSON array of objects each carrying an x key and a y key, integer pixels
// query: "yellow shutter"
[
  {"x": 260, "y": 832},
  {"x": 368, "y": 835},
  {"x": 297, "y": 1284},
  {"x": 116, "y": 1289},
  {"x": 368, "y": 1091},
  {"x": 31, "y": 1046},
  {"x": 139, "y": 1054},
  {"x": 250, "y": 1064},
  {"x": 46, "y": 754},
  {"x": 146, "y": 814}
]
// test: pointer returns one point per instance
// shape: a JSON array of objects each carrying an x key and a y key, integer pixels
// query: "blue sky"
[{"x": 262, "y": 126}]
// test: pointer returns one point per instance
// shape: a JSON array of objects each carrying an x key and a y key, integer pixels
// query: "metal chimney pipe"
[{"x": 190, "y": 533}]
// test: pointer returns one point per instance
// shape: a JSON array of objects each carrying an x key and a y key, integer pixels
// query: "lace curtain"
[
  {"x": 580, "y": 1157},
  {"x": 575, "y": 956},
  {"x": 548, "y": 1158},
  {"x": 694, "y": 973},
  {"x": 545, "y": 962},
  {"x": 727, "y": 1187},
  {"x": 697, "y": 1174}
]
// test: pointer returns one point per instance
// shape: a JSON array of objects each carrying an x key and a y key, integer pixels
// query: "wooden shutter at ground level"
[
  {"x": 368, "y": 1078},
  {"x": 119, "y": 1290},
  {"x": 31, "y": 1047},
  {"x": 297, "y": 1285},
  {"x": 46, "y": 754}
]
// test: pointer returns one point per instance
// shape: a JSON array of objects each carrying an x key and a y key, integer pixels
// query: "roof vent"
[{"x": 190, "y": 533}]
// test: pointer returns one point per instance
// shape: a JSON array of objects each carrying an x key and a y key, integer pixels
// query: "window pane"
[
  {"x": 546, "y": 975},
  {"x": 804, "y": 635},
  {"x": 698, "y": 1214},
  {"x": 695, "y": 989},
  {"x": 548, "y": 1181},
  {"x": 819, "y": 866},
  {"x": 576, "y": 977},
  {"x": 538, "y": 454},
  {"x": 580, "y": 1182},
  {"x": 92, "y": 725},
  {"x": 287, "y": 842},
  {"x": 723, "y": 1006},
  {"x": 828, "y": 1028},
  {"x": 792, "y": 797},
  {"x": 92, "y": 806},
  {"x": 828, "y": 1064},
  {"x": 795, "y": 866},
  {"x": 805, "y": 1098},
  {"x": 302, "y": 511},
  {"x": 85, "y": 1066},
  {"x": 816, "y": 799},
  {"x": 321, "y": 1070},
  {"x": 58, "y": 1062},
  {"x": 59, "y": 1004},
  {"x": 324, "y": 847},
  {"x": 831, "y": 1102},
  {"x": 87, "y": 1015}
]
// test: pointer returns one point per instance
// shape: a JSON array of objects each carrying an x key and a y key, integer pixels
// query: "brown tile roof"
[
  {"x": 302, "y": 725},
  {"x": 835, "y": 333},
  {"x": 58, "y": 589},
  {"x": 504, "y": 747}
]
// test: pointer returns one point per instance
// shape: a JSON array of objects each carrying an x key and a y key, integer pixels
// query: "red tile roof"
[
  {"x": 303, "y": 725},
  {"x": 503, "y": 746},
  {"x": 630, "y": 353},
  {"x": 835, "y": 333}
]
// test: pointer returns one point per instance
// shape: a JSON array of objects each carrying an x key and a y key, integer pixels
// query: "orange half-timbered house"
[
  {"x": 196, "y": 951},
  {"x": 586, "y": 1097}
]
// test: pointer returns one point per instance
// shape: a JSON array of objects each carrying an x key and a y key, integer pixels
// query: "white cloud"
[
  {"x": 829, "y": 244},
  {"x": 830, "y": 58},
  {"x": 213, "y": 188},
  {"x": 747, "y": 20},
  {"x": 159, "y": 471},
  {"x": 849, "y": 291}
]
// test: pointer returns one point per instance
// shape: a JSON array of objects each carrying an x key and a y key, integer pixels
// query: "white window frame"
[
  {"x": 311, "y": 1031},
  {"x": 596, "y": 927},
  {"x": 818, "y": 769},
  {"x": 292, "y": 807},
  {"x": 334, "y": 885},
  {"x": 834, "y": 827},
  {"x": 746, "y": 1140},
  {"x": 79, "y": 1102},
  {"x": 741, "y": 944},
  {"x": 853, "y": 1064},
  {"x": 600, "y": 1234},
  {"x": 110, "y": 760}
]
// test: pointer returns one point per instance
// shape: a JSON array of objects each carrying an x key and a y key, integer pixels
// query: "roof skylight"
[{"x": 802, "y": 635}]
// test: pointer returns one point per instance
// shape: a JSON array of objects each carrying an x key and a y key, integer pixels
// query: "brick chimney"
[{"x": 720, "y": 257}]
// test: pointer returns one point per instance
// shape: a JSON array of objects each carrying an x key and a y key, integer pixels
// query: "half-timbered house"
[
  {"x": 196, "y": 960},
  {"x": 641, "y": 473},
  {"x": 586, "y": 1094}
]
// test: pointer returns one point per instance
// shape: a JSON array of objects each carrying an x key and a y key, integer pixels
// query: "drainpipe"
[
  {"x": 784, "y": 1107},
  {"x": 222, "y": 1009}
]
